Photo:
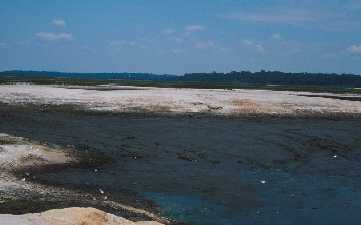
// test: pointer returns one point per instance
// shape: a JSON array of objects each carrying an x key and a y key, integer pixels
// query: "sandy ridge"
[{"x": 172, "y": 100}]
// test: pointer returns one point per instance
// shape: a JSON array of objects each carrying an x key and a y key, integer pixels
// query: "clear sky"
[{"x": 177, "y": 36}]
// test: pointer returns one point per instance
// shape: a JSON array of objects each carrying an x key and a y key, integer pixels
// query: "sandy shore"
[
  {"x": 170, "y": 100},
  {"x": 19, "y": 158},
  {"x": 18, "y": 154}
]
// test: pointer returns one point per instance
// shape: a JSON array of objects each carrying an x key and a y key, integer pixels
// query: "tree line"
[{"x": 262, "y": 77}]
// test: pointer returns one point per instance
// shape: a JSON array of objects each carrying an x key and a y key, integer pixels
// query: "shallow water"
[{"x": 214, "y": 171}]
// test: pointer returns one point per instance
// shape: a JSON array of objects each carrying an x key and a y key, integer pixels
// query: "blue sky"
[{"x": 178, "y": 36}]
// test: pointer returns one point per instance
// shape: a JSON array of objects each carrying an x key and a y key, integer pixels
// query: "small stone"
[
  {"x": 263, "y": 182},
  {"x": 101, "y": 191},
  {"x": 95, "y": 170},
  {"x": 23, "y": 179}
]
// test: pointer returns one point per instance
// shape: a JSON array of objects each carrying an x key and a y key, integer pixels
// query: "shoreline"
[
  {"x": 19, "y": 186},
  {"x": 189, "y": 102},
  {"x": 78, "y": 110}
]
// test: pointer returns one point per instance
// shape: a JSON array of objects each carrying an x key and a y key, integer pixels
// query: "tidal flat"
[{"x": 198, "y": 170}]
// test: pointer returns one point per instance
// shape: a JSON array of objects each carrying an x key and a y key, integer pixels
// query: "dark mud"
[
  {"x": 346, "y": 98},
  {"x": 142, "y": 113},
  {"x": 207, "y": 170}
]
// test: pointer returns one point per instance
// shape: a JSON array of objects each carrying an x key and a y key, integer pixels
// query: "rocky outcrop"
[{"x": 70, "y": 216}]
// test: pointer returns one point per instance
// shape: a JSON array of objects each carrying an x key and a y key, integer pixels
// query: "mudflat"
[{"x": 194, "y": 169}]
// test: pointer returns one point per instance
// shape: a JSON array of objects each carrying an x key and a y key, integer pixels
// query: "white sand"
[{"x": 224, "y": 102}]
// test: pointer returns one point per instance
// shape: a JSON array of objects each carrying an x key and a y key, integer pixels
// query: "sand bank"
[{"x": 171, "y": 100}]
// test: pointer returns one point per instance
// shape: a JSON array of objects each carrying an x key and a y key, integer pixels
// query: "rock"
[{"x": 70, "y": 216}]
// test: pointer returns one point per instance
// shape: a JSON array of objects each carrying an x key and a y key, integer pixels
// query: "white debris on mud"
[{"x": 222, "y": 102}]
